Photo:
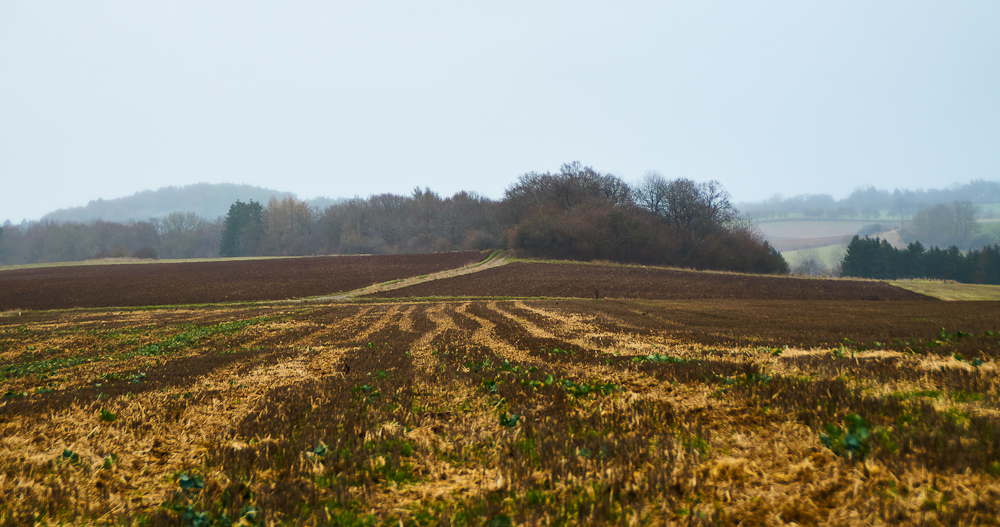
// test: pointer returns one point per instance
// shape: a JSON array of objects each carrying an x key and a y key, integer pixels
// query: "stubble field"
[{"x": 500, "y": 412}]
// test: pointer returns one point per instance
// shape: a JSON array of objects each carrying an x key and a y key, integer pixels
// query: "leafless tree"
[{"x": 651, "y": 193}]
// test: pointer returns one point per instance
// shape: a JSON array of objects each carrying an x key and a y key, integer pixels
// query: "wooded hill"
[
  {"x": 205, "y": 200},
  {"x": 576, "y": 213}
]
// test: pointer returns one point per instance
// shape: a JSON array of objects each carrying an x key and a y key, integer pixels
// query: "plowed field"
[
  {"x": 207, "y": 282},
  {"x": 529, "y": 279},
  {"x": 575, "y": 412}
]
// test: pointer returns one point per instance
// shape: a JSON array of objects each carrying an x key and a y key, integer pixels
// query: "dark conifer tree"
[{"x": 243, "y": 229}]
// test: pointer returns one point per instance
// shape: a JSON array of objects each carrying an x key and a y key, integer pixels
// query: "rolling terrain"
[{"x": 731, "y": 410}]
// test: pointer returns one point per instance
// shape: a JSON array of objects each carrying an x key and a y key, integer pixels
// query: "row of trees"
[
  {"x": 178, "y": 235},
  {"x": 381, "y": 224},
  {"x": 947, "y": 224},
  {"x": 576, "y": 213},
  {"x": 871, "y": 204},
  {"x": 876, "y": 258}
]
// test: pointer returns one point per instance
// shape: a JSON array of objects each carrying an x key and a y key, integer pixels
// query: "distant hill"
[{"x": 204, "y": 199}]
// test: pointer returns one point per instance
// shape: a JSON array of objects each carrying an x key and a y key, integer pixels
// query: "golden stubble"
[{"x": 768, "y": 467}]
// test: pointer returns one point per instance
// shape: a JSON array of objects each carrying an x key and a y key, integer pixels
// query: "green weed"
[{"x": 851, "y": 440}]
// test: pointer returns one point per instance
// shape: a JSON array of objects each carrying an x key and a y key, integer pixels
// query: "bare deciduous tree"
[{"x": 651, "y": 193}]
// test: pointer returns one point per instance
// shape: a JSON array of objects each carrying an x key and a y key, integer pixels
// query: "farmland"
[
  {"x": 207, "y": 282},
  {"x": 858, "y": 407},
  {"x": 532, "y": 279}
]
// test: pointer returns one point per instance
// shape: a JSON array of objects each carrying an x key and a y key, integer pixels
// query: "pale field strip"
[
  {"x": 486, "y": 335},
  {"x": 379, "y": 321},
  {"x": 945, "y": 290},
  {"x": 354, "y": 323},
  {"x": 129, "y": 260},
  {"x": 493, "y": 261},
  {"x": 405, "y": 322},
  {"x": 422, "y": 348},
  {"x": 587, "y": 326}
]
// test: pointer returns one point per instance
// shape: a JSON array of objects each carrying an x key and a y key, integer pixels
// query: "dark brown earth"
[
  {"x": 571, "y": 280},
  {"x": 397, "y": 413},
  {"x": 207, "y": 282}
]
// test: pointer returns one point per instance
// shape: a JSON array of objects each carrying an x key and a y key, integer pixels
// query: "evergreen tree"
[
  {"x": 858, "y": 259},
  {"x": 912, "y": 261},
  {"x": 243, "y": 229}
]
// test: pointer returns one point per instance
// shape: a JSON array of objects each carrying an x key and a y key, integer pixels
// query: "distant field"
[
  {"x": 803, "y": 228},
  {"x": 568, "y": 279},
  {"x": 209, "y": 282},
  {"x": 290, "y": 278},
  {"x": 950, "y": 290},
  {"x": 830, "y": 255},
  {"x": 123, "y": 261}
]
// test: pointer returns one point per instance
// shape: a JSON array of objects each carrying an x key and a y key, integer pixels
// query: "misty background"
[{"x": 337, "y": 100}]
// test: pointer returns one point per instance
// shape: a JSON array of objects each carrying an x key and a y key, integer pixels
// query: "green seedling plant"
[
  {"x": 584, "y": 389},
  {"x": 190, "y": 484},
  {"x": 187, "y": 515},
  {"x": 368, "y": 392},
  {"x": 68, "y": 455},
  {"x": 850, "y": 441},
  {"x": 944, "y": 336},
  {"x": 320, "y": 451},
  {"x": 491, "y": 386},
  {"x": 193, "y": 335},
  {"x": 975, "y": 363},
  {"x": 476, "y": 367},
  {"x": 549, "y": 379},
  {"x": 661, "y": 359},
  {"x": 509, "y": 421}
]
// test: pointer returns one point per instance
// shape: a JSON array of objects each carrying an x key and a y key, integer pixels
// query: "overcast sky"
[{"x": 101, "y": 99}]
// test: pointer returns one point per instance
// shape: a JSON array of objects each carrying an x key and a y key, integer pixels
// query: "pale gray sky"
[{"x": 325, "y": 98}]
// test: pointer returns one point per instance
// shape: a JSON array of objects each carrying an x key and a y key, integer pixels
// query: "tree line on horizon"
[
  {"x": 871, "y": 204},
  {"x": 576, "y": 213},
  {"x": 876, "y": 258}
]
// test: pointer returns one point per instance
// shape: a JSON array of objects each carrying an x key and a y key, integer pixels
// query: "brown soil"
[
  {"x": 207, "y": 282},
  {"x": 533, "y": 279},
  {"x": 732, "y": 430}
]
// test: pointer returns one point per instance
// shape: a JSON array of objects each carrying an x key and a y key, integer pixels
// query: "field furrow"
[{"x": 524, "y": 411}]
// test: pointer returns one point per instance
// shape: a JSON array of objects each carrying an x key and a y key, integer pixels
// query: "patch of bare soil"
[
  {"x": 565, "y": 280},
  {"x": 209, "y": 282},
  {"x": 577, "y": 412}
]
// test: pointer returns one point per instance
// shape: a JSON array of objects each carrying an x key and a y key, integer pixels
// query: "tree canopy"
[
  {"x": 576, "y": 213},
  {"x": 876, "y": 258}
]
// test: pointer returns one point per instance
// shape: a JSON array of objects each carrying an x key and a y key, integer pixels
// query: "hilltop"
[{"x": 207, "y": 200}]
